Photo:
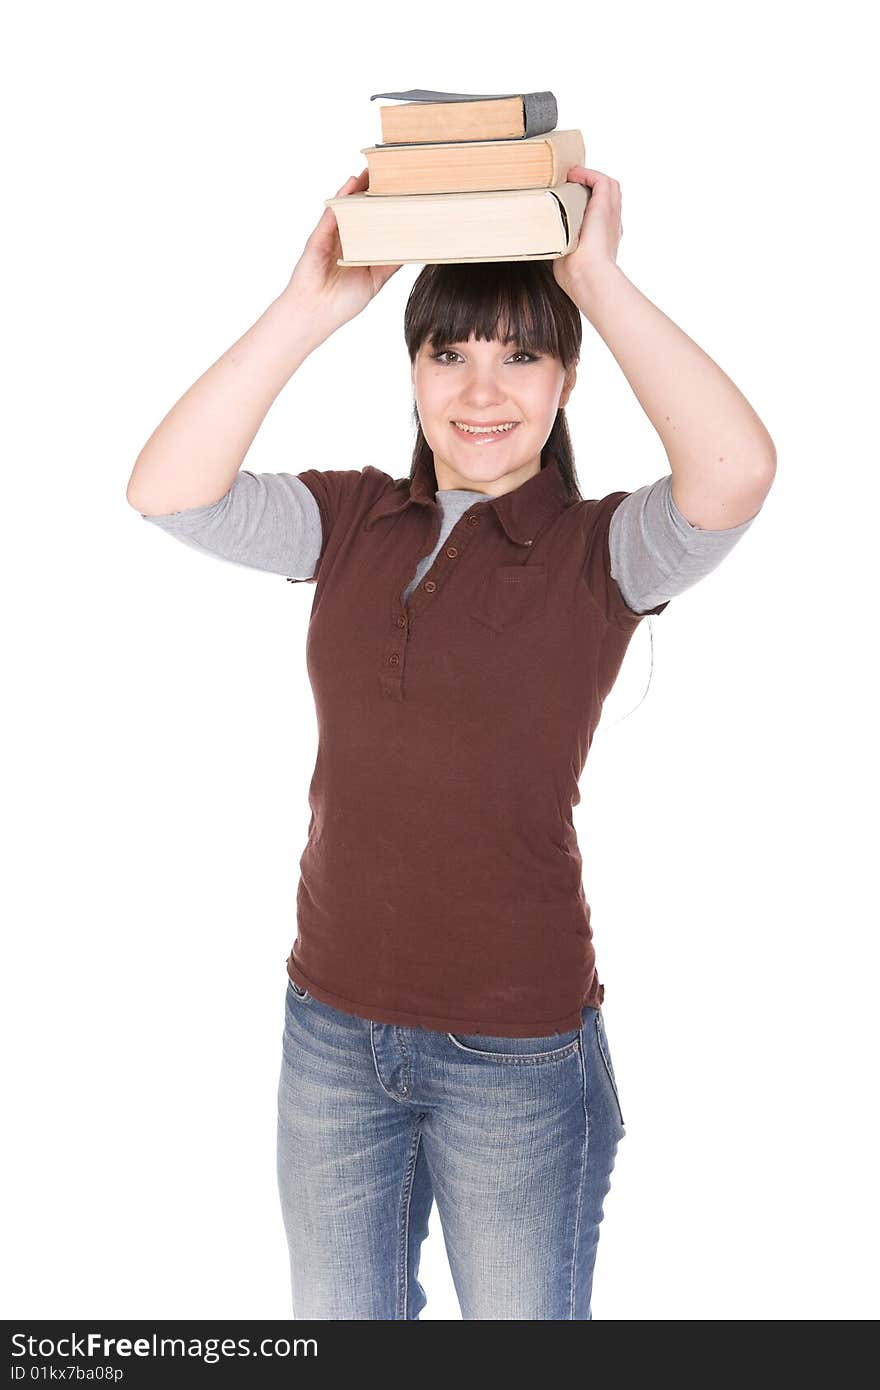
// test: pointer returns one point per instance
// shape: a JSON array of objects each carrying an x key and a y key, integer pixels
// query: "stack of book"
[{"x": 462, "y": 178}]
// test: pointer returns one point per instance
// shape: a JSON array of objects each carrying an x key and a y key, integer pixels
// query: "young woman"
[{"x": 444, "y": 1037}]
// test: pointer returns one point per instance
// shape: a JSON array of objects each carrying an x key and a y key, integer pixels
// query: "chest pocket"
[{"x": 511, "y": 596}]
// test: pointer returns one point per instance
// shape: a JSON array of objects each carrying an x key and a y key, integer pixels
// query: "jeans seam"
[
  {"x": 581, "y": 1184},
  {"x": 406, "y": 1076},
  {"x": 607, "y": 1065},
  {"x": 406, "y": 1198}
]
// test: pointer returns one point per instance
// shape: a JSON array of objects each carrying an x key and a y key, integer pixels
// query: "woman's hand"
[
  {"x": 600, "y": 233},
  {"x": 337, "y": 293}
]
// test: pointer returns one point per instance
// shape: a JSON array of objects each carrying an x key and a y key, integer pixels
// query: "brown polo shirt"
[{"x": 441, "y": 882}]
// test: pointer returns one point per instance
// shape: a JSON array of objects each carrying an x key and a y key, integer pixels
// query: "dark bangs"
[{"x": 517, "y": 302}]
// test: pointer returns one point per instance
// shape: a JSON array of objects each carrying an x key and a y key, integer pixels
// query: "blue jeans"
[{"x": 514, "y": 1138}]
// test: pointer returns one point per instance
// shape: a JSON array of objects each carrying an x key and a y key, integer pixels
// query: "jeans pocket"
[
  {"x": 297, "y": 991},
  {"x": 605, "y": 1054},
  {"x": 515, "y": 1051}
]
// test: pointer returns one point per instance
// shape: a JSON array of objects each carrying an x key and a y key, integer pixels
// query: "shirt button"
[
  {"x": 401, "y": 621},
  {"x": 451, "y": 551},
  {"x": 394, "y": 659},
  {"x": 473, "y": 521},
  {"x": 430, "y": 585}
]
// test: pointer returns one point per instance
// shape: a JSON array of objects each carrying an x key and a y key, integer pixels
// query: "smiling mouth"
[{"x": 485, "y": 431}]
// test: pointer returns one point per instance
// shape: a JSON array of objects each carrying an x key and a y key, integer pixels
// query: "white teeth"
[{"x": 482, "y": 429}]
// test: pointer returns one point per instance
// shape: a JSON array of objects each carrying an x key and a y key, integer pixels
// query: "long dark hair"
[{"x": 514, "y": 301}]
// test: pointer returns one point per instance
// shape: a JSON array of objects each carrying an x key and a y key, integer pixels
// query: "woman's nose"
[{"x": 483, "y": 388}]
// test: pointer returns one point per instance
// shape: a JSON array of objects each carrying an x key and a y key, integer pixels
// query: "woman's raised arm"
[{"x": 192, "y": 457}]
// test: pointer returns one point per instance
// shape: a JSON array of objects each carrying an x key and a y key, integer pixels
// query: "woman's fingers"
[
  {"x": 383, "y": 273},
  {"x": 353, "y": 182},
  {"x": 327, "y": 221}
]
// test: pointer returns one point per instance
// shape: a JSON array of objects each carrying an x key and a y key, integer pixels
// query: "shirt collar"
[{"x": 522, "y": 512}]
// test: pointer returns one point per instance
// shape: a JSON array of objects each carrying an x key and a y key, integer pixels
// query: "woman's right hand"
[{"x": 337, "y": 292}]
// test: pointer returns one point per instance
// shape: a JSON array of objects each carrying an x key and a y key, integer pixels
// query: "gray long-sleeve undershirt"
[{"x": 271, "y": 521}]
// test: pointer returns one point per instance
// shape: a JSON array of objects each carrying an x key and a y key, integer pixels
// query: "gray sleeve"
[
  {"x": 656, "y": 553},
  {"x": 267, "y": 521}
]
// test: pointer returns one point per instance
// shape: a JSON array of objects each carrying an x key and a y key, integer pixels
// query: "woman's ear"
[{"x": 568, "y": 385}]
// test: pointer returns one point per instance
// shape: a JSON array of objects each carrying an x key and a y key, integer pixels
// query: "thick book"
[
  {"x": 428, "y": 117},
  {"x": 528, "y": 224},
  {"x": 485, "y": 166}
]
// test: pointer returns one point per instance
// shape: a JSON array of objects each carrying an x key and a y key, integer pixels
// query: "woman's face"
[{"x": 487, "y": 383}]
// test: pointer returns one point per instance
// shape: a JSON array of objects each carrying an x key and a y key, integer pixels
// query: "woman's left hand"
[{"x": 601, "y": 230}]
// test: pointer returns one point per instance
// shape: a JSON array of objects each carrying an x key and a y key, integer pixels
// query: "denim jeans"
[{"x": 514, "y": 1138}]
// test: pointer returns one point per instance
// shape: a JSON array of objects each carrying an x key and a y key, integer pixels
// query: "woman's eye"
[{"x": 436, "y": 356}]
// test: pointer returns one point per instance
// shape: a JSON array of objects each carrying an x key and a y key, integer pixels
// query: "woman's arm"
[
  {"x": 266, "y": 521},
  {"x": 192, "y": 457},
  {"x": 656, "y": 553},
  {"x": 722, "y": 458}
]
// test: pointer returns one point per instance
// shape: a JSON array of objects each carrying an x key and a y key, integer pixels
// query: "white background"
[{"x": 165, "y": 164}]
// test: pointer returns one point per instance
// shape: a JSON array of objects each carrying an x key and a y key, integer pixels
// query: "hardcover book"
[
  {"x": 428, "y": 117},
  {"x": 541, "y": 161},
  {"x": 525, "y": 224}
]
